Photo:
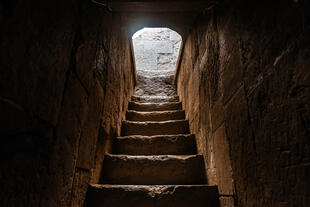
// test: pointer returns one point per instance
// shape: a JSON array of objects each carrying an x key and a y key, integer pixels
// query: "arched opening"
[{"x": 156, "y": 53}]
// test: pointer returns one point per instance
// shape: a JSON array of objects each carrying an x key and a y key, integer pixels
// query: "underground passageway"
[
  {"x": 154, "y": 162},
  {"x": 219, "y": 116}
]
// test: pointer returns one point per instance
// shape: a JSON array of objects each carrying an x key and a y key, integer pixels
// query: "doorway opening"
[{"x": 156, "y": 51}]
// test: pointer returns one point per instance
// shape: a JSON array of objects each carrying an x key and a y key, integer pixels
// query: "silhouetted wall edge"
[{"x": 66, "y": 77}]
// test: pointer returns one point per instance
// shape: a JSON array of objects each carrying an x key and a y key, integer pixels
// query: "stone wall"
[
  {"x": 66, "y": 77},
  {"x": 244, "y": 80},
  {"x": 156, "y": 49}
]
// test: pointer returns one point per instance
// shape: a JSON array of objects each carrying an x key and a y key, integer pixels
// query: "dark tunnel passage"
[{"x": 242, "y": 80}]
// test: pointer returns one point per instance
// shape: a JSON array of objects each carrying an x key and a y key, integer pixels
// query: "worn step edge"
[
  {"x": 132, "y": 115},
  {"x": 150, "y": 128},
  {"x": 154, "y": 99},
  {"x": 152, "y": 196},
  {"x": 155, "y": 145},
  {"x": 164, "y": 106},
  {"x": 153, "y": 170}
]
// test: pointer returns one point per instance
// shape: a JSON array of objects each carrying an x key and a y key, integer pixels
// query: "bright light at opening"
[
  {"x": 156, "y": 51},
  {"x": 140, "y": 32}
]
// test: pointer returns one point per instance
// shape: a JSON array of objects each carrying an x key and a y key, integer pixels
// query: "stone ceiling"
[
  {"x": 158, "y": 5},
  {"x": 175, "y": 14}
]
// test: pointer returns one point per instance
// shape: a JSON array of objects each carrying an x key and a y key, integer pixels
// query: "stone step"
[
  {"x": 166, "y": 106},
  {"x": 155, "y": 145},
  {"x": 152, "y": 196},
  {"x": 149, "y": 128},
  {"x": 154, "y": 99},
  {"x": 155, "y": 115},
  {"x": 153, "y": 170}
]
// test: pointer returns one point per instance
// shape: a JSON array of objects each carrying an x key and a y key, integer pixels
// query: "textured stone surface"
[
  {"x": 197, "y": 81},
  {"x": 249, "y": 65},
  {"x": 156, "y": 49},
  {"x": 136, "y": 106},
  {"x": 156, "y": 52},
  {"x": 65, "y": 76},
  {"x": 155, "y": 145},
  {"x": 155, "y": 115},
  {"x": 222, "y": 162},
  {"x": 152, "y": 170},
  {"x": 152, "y": 196},
  {"x": 155, "y": 99},
  {"x": 227, "y": 202},
  {"x": 155, "y": 85},
  {"x": 153, "y": 128}
]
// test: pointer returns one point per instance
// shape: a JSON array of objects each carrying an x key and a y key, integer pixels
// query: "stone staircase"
[{"x": 155, "y": 162}]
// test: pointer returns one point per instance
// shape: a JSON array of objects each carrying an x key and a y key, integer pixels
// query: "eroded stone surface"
[
  {"x": 223, "y": 163},
  {"x": 155, "y": 99},
  {"x": 155, "y": 115},
  {"x": 243, "y": 82},
  {"x": 152, "y": 196},
  {"x": 151, "y": 170},
  {"x": 155, "y": 84},
  {"x": 136, "y": 106},
  {"x": 154, "y": 128},
  {"x": 66, "y": 77},
  {"x": 155, "y": 145}
]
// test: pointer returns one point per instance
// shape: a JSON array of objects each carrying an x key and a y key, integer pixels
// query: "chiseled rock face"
[
  {"x": 155, "y": 85},
  {"x": 136, "y": 106},
  {"x": 153, "y": 170},
  {"x": 178, "y": 144},
  {"x": 61, "y": 84},
  {"x": 152, "y": 128},
  {"x": 152, "y": 195},
  {"x": 155, "y": 115},
  {"x": 155, "y": 99},
  {"x": 244, "y": 84}
]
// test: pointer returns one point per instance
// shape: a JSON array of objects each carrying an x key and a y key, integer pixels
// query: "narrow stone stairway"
[{"x": 155, "y": 162}]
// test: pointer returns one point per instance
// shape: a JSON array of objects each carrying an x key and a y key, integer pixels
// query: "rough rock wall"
[
  {"x": 244, "y": 80},
  {"x": 63, "y": 93}
]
